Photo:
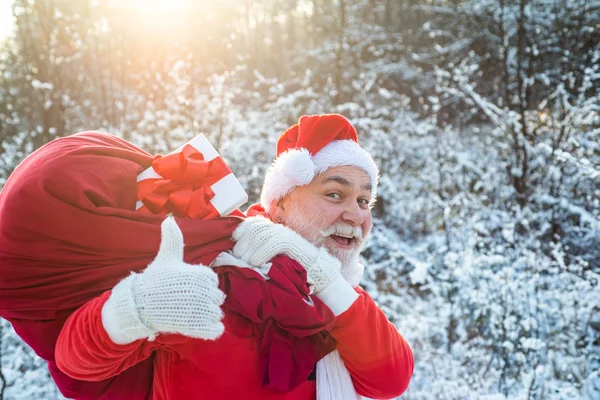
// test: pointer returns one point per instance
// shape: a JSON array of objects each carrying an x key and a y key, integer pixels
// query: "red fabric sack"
[{"x": 69, "y": 232}]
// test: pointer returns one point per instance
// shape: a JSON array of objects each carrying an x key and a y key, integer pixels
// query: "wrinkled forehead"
[{"x": 347, "y": 175}]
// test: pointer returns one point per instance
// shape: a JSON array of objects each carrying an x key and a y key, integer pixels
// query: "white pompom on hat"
[{"x": 312, "y": 146}]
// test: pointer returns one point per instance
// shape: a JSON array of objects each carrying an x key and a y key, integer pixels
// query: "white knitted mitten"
[
  {"x": 170, "y": 296},
  {"x": 259, "y": 240}
]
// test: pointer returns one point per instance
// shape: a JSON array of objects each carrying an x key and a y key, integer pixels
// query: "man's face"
[{"x": 332, "y": 211}]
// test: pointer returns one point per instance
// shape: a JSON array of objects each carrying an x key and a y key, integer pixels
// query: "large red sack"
[{"x": 69, "y": 231}]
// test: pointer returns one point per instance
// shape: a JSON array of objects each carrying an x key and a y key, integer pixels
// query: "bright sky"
[{"x": 6, "y": 18}]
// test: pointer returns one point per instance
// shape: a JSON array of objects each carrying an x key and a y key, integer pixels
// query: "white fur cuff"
[
  {"x": 338, "y": 295},
  {"x": 120, "y": 317}
]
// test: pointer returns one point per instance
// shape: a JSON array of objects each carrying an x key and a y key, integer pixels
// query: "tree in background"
[{"x": 483, "y": 116}]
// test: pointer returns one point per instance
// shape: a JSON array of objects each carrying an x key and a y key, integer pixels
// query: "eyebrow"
[{"x": 343, "y": 181}]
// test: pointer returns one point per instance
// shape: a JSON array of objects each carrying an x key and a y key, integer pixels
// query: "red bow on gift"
[{"x": 184, "y": 189}]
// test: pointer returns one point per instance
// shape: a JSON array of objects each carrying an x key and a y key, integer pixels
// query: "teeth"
[{"x": 345, "y": 236}]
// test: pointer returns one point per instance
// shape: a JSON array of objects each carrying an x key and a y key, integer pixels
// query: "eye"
[
  {"x": 364, "y": 203},
  {"x": 334, "y": 195}
]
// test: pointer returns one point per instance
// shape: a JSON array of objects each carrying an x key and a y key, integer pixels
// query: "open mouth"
[{"x": 343, "y": 240}]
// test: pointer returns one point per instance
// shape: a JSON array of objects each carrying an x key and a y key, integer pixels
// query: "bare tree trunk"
[
  {"x": 504, "y": 46},
  {"x": 315, "y": 23},
  {"x": 191, "y": 91},
  {"x": 521, "y": 182},
  {"x": 340, "y": 51},
  {"x": 220, "y": 120},
  {"x": 123, "y": 126},
  {"x": 291, "y": 31},
  {"x": 248, "y": 40},
  {"x": 389, "y": 14},
  {"x": 111, "y": 97}
]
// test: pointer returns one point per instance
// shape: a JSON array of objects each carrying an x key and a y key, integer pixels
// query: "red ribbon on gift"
[{"x": 184, "y": 188}]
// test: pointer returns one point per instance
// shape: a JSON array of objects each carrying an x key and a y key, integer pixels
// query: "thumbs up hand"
[{"x": 170, "y": 296}]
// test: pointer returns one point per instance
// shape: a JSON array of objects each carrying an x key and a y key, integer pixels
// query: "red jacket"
[{"x": 377, "y": 357}]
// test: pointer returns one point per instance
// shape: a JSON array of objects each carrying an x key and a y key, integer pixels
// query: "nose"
[{"x": 353, "y": 214}]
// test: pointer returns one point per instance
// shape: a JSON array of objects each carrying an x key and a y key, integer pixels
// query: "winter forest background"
[{"x": 482, "y": 114}]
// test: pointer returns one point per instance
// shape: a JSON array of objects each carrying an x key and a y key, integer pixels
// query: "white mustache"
[{"x": 341, "y": 229}]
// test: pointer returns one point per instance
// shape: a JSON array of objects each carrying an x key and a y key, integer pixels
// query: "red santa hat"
[{"x": 315, "y": 144}]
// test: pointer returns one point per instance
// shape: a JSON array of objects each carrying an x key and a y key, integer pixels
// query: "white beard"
[{"x": 352, "y": 270}]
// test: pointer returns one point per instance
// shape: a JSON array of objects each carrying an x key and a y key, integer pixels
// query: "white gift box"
[{"x": 229, "y": 193}]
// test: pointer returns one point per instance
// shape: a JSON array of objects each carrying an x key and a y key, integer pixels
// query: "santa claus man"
[{"x": 296, "y": 325}]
